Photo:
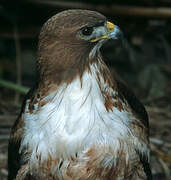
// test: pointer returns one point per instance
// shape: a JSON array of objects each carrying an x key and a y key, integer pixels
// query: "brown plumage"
[{"x": 78, "y": 122}]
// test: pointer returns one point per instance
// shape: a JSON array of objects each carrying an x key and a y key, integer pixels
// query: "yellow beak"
[{"x": 110, "y": 28}]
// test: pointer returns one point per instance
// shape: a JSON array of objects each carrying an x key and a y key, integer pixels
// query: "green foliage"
[{"x": 152, "y": 79}]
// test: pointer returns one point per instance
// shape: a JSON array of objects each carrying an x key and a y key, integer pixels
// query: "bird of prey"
[{"x": 78, "y": 122}]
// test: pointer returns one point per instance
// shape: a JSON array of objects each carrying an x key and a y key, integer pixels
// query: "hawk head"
[{"x": 70, "y": 41}]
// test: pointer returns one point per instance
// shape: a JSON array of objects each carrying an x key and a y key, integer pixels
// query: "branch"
[
  {"x": 13, "y": 86},
  {"x": 155, "y": 12},
  {"x": 18, "y": 60}
]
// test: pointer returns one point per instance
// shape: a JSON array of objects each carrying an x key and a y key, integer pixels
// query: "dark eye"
[{"x": 87, "y": 31}]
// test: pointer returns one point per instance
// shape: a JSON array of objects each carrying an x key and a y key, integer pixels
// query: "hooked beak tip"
[{"x": 116, "y": 33}]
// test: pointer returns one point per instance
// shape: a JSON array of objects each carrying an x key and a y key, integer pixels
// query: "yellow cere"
[{"x": 110, "y": 27}]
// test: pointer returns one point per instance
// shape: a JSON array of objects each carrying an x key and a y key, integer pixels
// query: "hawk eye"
[{"x": 87, "y": 31}]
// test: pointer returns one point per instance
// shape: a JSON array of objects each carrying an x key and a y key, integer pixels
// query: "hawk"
[{"x": 78, "y": 122}]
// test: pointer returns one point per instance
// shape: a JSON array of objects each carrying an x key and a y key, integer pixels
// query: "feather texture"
[{"x": 78, "y": 122}]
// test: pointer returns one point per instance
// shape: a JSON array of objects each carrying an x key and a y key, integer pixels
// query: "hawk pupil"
[{"x": 87, "y": 31}]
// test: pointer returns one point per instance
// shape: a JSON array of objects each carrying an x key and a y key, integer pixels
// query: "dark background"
[{"x": 143, "y": 61}]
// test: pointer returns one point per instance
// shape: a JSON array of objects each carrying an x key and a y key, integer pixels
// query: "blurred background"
[{"x": 143, "y": 61}]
